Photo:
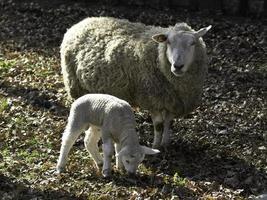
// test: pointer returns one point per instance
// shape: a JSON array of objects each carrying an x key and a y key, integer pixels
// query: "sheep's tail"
[{"x": 71, "y": 81}]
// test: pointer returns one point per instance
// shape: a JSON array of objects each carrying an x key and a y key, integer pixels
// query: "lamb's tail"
[
  {"x": 71, "y": 82},
  {"x": 73, "y": 130}
]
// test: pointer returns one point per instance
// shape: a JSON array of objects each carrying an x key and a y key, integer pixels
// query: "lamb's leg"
[
  {"x": 108, "y": 150},
  {"x": 91, "y": 139},
  {"x": 119, "y": 164},
  {"x": 73, "y": 129},
  {"x": 168, "y": 117},
  {"x": 158, "y": 128}
]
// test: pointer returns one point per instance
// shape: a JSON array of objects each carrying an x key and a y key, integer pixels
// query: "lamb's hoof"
[
  {"x": 60, "y": 170},
  {"x": 106, "y": 173}
]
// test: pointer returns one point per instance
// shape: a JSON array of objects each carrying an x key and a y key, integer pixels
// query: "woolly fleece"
[{"x": 118, "y": 57}]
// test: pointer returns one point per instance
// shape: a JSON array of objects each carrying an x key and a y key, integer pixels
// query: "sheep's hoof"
[
  {"x": 131, "y": 180},
  {"x": 164, "y": 146},
  {"x": 165, "y": 143},
  {"x": 106, "y": 173},
  {"x": 156, "y": 145},
  {"x": 99, "y": 165}
]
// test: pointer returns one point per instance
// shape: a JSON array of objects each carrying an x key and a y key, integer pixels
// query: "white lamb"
[
  {"x": 115, "y": 56},
  {"x": 112, "y": 120}
]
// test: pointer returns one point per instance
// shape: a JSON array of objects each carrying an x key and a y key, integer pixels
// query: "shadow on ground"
[
  {"x": 209, "y": 165},
  {"x": 35, "y": 97},
  {"x": 11, "y": 189}
]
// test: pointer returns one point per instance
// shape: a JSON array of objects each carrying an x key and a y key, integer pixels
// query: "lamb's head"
[
  {"x": 131, "y": 157},
  {"x": 181, "y": 44}
]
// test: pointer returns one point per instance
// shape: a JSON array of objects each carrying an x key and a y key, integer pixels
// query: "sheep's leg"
[
  {"x": 74, "y": 128},
  {"x": 158, "y": 128},
  {"x": 108, "y": 150},
  {"x": 168, "y": 117},
  {"x": 119, "y": 164},
  {"x": 91, "y": 139}
]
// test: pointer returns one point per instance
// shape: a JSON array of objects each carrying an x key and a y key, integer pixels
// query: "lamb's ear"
[
  {"x": 149, "y": 151},
  {"x": 122, "y": 152},
  {"x": 159, "y": 38},
  {"x": 202, "y": 31}
]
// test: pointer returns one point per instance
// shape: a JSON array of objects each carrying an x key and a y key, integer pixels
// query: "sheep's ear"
[
  {"x": 122, "y": 152},
  {"x": 159, "y": 38},
  {"x": 149, "y": 151},
  {"x": 202, "y": 31}
]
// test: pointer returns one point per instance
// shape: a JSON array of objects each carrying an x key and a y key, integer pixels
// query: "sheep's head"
[
  {"x": 180, "y": 47},
  {"x": 132, "y": 157}
]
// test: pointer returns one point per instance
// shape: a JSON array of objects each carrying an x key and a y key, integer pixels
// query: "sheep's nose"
[
  {"x": 131, "y": 174},
  {"x": 178, "y": 66}
]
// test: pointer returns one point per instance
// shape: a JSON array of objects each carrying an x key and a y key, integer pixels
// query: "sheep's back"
[{"x": 110, "y": 55}]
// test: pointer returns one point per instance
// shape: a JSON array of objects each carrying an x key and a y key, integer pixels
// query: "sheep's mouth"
[{"x": 177, "y": 72}]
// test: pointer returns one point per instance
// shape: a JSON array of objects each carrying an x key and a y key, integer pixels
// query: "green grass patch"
[
  {"x": 178, "y": 180},
  {"x": 44, "y": 73},
  {"x": 263, "y": 67},
  {"x": 30, "y": 156},
  {"x": 145, "y": 170},
  {"x": 6, "y": 65},
  {"x": 3, "y": 104},
  {"x": 20, "y": 121}
]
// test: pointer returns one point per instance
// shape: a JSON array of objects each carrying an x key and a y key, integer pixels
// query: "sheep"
[
  {"x": 161, "y": 70},
  {"x": 111, "y": 119}
]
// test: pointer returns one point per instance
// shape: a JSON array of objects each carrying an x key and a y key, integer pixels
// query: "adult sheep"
[{"x": 164, "y": 75}]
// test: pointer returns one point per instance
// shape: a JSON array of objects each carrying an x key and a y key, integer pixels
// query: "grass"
[
  {"x": 201, "y": 162},
  {"x": 3, "y": 104},
  {"x": 32, "y": 138},
  {"x": 6, "y": 65},
  {"x": 178, "y": 180}
]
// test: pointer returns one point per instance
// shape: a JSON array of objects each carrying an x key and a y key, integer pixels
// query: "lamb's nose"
[{"x": 178, "y": 66}]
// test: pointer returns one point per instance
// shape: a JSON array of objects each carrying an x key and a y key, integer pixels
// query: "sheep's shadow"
[
  {"x": 35, "y": 97},
  {"x": 12, "y": 189},
  {"x": 201, "y": 164},
  {"x": 197, "y": 164}
]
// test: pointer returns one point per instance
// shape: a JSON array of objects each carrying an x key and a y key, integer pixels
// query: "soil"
[{"x": 219, "y": 151}]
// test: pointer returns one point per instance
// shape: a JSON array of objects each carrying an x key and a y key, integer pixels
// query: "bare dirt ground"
[{"x": 217, "y": 152}]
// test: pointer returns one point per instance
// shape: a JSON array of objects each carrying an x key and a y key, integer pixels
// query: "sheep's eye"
[{"x": 127, "y": 161}]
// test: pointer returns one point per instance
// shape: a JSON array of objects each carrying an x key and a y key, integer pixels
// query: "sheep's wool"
[{"x": 117, "y": 57}]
